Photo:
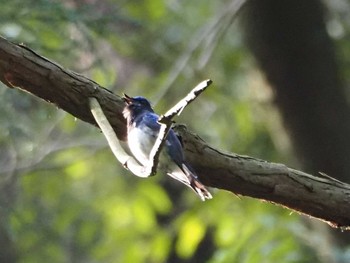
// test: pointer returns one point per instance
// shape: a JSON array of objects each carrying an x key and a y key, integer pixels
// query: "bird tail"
[{"x": 191, "y": 180}]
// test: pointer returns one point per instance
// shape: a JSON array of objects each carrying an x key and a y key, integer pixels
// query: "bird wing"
[
  {"x": 148, "y": 120},
  {"x": 185, "y": 173},
  {"x": 174, "y": 148},
  {"x": 148, "y": 124}
]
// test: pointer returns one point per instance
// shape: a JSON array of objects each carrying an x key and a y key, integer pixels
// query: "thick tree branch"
[{"x": 320, "y": 197}]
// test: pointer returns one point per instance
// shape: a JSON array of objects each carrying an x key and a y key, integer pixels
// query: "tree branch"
[{"x": 319, "y": 197}]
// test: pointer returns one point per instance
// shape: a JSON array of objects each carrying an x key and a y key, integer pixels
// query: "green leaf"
[{"x": 191, "y": 233}]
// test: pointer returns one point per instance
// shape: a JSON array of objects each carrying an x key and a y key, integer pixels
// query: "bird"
[{"x": 142, "y": 132}]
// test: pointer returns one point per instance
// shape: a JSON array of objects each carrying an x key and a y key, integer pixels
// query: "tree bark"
[{"x": 321, "y": 197}]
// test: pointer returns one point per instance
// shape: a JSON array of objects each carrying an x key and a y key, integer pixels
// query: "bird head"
[{"x": 135, "y": 106}]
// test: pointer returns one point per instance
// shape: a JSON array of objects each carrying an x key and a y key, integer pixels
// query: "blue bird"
[{"x": 143, "y": 129}]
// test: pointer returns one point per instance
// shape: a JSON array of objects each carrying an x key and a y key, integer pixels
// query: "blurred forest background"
[{"x": 281, "y": 86}]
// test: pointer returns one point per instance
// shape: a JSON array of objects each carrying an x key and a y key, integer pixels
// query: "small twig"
[
  {"x": 165, "y": 121},
  {"x": 192, "y": 95}
]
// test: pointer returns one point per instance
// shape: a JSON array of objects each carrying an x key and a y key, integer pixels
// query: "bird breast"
[{"x": 141, "y": 142}]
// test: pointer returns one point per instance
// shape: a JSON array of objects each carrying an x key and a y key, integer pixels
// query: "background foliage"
[{"x": 64, "y": 198}]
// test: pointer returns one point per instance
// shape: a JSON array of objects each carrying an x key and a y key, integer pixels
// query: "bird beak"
[{"x": 127, "y": 99}]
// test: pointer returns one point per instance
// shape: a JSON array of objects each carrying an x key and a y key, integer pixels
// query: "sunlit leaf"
[
  {"x": 143, "y": 215},
  {"x": 156, "y": 195},
  {"x": 160, "y": 246},
  {"x": 191, "y": 232},
  {"x": 77, "y": 169}
]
